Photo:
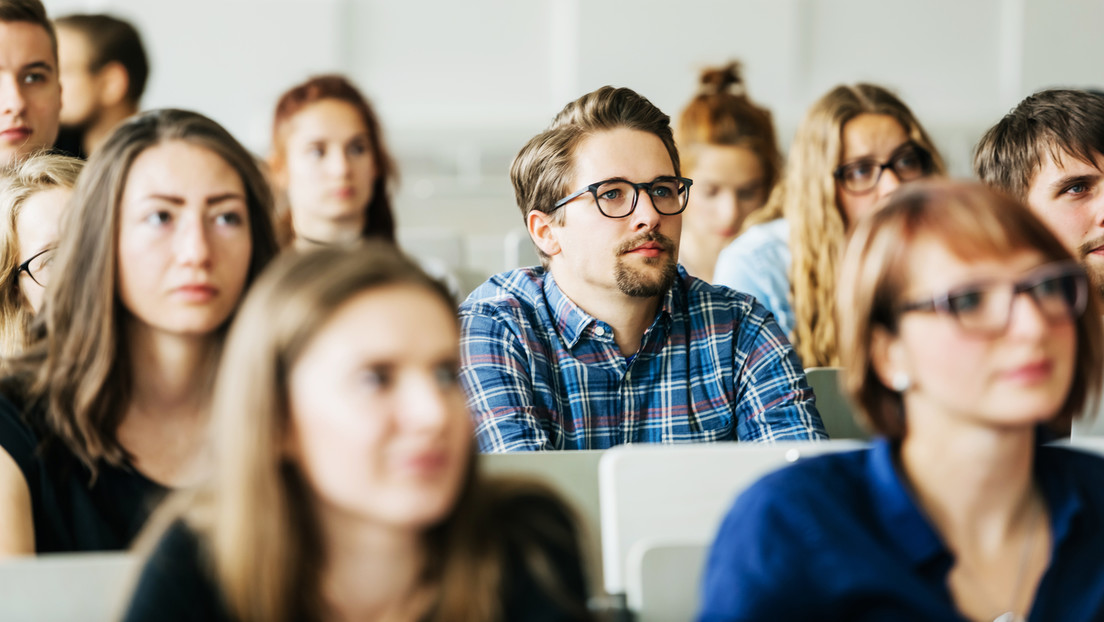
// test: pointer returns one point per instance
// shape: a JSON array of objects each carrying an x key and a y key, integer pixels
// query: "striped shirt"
[{"x": 540, "y": 373}]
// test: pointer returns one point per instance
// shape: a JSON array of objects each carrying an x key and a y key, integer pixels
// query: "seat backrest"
[
  {"x": 680, "y": 492},
  {"x": 573, "y": 474},
  {"x": 835, "y": 409},
  {"x": 90, "y": 587},
  {"x": 663, "y": 579}
]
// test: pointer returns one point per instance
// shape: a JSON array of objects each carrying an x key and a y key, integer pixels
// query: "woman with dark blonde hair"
[
  {"x": 33, "y": 196},
  {"x": 856, "y": 145},
  {"x": 969, "y": 336},
  {"x": 356, "y": 496},
  {"x": 728, "y": 148},
  {"x": 106, "y": 411},
  {"x": 330, "y": 162}
]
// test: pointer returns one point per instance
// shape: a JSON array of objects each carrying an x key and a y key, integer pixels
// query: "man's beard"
[
  {"x": 640, "y": 283},
  {"x": 1095, "y": 272}
]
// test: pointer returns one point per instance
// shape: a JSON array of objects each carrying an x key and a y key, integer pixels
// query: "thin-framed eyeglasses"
[
  {"x": 38, "y": 266},
  {"x": 1060, "y": 291},
  {"x": 909, "y": 162},
  {"x": 669, "y": 195}
]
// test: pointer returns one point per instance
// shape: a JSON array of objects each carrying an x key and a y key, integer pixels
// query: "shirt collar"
[
  {"x": 898, "y": 512},
  {"x": 572, "y": 322},
  {"x": 913, "y": 533}
]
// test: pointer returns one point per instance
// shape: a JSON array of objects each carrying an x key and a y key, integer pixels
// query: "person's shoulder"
[
  {"x": 516, "y": 289},
  {"x": 772, "y": 234},
  {"x": 810, "y": 484},
  {"x": 1074, "y": 463}
]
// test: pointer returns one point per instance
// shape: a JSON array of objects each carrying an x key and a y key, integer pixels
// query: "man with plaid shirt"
[{"x": 611, "y": 342}]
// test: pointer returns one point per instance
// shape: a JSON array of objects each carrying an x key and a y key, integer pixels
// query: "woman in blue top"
[{"x": 966, "y": 327}]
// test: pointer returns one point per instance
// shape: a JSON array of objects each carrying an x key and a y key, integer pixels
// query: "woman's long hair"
[
  {"x": 379, "y": 220},
  {"x": 806, "y": 198},
  {"x": 255, "y": 517},
  {"x": 79, "y": 364},
  {"x": 38, "y": 173}
]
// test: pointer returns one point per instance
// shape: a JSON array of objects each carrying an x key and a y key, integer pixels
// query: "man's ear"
[
  {"x": 112, "y": 84},
  {"x": 886, "y": 355},
  {"x": 543, "y": 232}
]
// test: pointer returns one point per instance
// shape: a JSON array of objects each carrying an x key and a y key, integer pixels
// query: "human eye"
[
  {"x": 316, "y": 150},
  {"x": 358, "y": 147},
  {"x": 965, "y": 302},
  {"x": 446, "y": 375},
  {"x": 663, "y": 190},
  {"x": 1076, "y": 189},
  {"x": 158, "y": 218},
  {"x": 375, "y": 378},
  {"x": 607, "y": 193},
  {"x": 859, "y": 171},
  {"x": 230, "y": 218},
  {"x": 35, "y": 77}
]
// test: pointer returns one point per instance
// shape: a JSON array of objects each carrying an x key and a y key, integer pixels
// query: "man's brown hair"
[{"x": 1055, "y": 123}]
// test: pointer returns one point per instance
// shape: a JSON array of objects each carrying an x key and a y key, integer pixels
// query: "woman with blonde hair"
[
  {"x": 728, "y": 147},
  {"x": 106, "y": 410},
  {"x": 345, "y": 482},
  {"x": 33, "y": 196},
  {"x": 856, "y": 145},
  {"x": 969, "y": 336}
]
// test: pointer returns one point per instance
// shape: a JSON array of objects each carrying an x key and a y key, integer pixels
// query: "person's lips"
[
  {"x": 425, "y": 463},
  {"x": 196, "y": 292},
  {"x": 1030, "y": 373},
  {"x": 649, "y": 249},
  {"x": 16, "y": 135},
  {"x": 648, "y": 245}
]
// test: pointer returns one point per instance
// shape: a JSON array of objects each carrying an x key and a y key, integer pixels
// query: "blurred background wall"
[{"x": 461, "y": 85}]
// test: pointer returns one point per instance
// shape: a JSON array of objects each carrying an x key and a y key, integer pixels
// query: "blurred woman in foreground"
[
  {"x": 968, "y": 330},
  {"x": 345, "y": 484}
]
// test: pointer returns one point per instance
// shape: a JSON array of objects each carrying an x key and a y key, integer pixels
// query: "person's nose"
[
  {"x": 1026, "y": 317},
  {"x": 425, "y": 403},
  {"x": 645, "y": 217},
  {"x": 193, "y": 244},
  {"x": 12, "y": 101},
  {"x": 337, "y": 164},
  {"x": 888, "y": 182}
]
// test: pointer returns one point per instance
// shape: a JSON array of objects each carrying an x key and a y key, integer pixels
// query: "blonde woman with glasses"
[
  {"x": 33, "y": 196},
  {"x": 856, "y": 145}
]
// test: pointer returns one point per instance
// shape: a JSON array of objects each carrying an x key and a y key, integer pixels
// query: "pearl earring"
[{"x": 900, "y": 382}]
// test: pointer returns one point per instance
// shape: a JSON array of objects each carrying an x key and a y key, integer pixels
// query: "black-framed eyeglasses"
[
  {"x": 909, "y": 162},
  {"x": 1060, "y": 291},
  {"x": 669, "y": 195},
  {"x": 38, "y": 266}
]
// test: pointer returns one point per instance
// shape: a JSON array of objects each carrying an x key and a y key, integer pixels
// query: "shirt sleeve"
[
  {"x": 774, "y": 400},
  {"x": 174, "y": 585},
  {"x": 494, "y": 372},
  {"x": 751, "y": 266}
]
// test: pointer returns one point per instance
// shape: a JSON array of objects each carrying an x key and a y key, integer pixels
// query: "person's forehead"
[
  {"x": 1057, "y": 163},
  {"x": 23, "y": 43},
  {"x": 626, "y": 153}
]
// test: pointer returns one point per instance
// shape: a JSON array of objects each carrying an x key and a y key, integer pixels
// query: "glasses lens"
[
  {"x": 668, "y": 195},
  {"x": 39, "y": 268},
  {"x": 910, "y": 164},
  {"x": 615, "y": 198},
  {"x": 1059, "y": 297},
  {"x": 860, "y": 176},
  {"x": 981, "y": 308}
]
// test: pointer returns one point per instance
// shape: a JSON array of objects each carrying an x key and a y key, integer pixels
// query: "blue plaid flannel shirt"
[{"x": 542, "y": 374}]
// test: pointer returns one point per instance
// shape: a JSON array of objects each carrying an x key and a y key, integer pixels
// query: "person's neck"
[
  {"x": 97, "y": 132},
  {"x": 371, "y": 571},
  {"x": 169, "y": 371},
  {"x": 315, "y": 232},
  {"x": 698, "y": 255},
  {"x": 628, "y": 316},
  {"x": 976, "y": 483}
]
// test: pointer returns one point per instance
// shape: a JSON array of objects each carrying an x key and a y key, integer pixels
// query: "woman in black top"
[
  {"x": 168, "y": 226},
  {"x": 345, "y": 484}
]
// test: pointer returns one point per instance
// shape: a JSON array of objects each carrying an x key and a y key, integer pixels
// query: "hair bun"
[{"x": 720, "y": 80}]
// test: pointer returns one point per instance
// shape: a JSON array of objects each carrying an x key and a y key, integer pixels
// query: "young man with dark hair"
[
  {"x": 30, "y": 94},
  {"x": 104, "y": 69},
  {"x": 611, "y": 342},
  {"x": 1049, "y": 153}
]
